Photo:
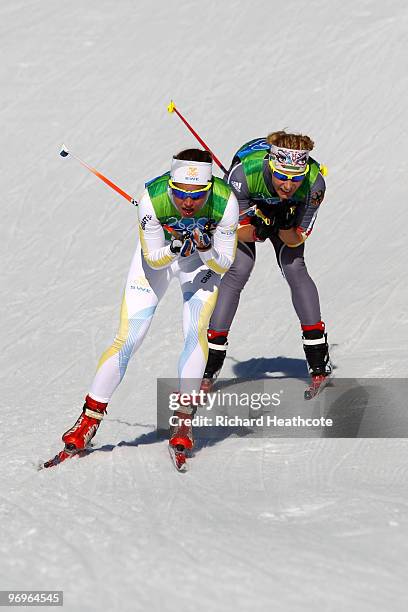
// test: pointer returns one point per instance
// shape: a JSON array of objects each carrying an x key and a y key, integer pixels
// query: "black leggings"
[{"x": 305, "y": 297}]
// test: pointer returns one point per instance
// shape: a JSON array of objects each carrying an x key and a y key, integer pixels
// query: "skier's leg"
[
  {"x": 200, "y": 289},
  {"x": 229, "y": 294},
  {"x": 305, "y": 297},
  {"x": 306, "y": 302},
  {"x": 143, "y": 290},
  {"x": 199, "y": 286},
  {"x": 232, "y": 284}
]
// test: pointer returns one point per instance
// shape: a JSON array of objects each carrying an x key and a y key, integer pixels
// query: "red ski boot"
[
  {"x": 181, "y": 434},
  {"x": 81, "y": 433},
  {"x": 86, "y": 425},
  {"x": 181, "y": 440}
]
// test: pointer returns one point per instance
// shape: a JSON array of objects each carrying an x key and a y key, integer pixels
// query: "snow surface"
[{"x": 282, "y": 524}]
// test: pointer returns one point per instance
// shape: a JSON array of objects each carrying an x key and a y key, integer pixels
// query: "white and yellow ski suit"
[{"x": 153, "y": 267}]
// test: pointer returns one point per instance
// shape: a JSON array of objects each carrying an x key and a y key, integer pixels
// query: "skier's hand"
[
  {"x": 262, "y": 231},
  {"x": 267, "y": 211},
  {"x": 188, "y": 247},
  {"x": 202, "y": 239},
  {"x": 263, "y": 218},
  {"x": 202, "y": 235},
  {"x": 182, "y": 244},
  {"x": 186, "y": 242},
  {"x": 286, "y": 216}
]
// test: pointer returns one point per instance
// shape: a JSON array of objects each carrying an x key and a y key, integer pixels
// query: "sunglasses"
[
  {"x": 295, "y": 178},
  {"x": 183, "y": 194}
]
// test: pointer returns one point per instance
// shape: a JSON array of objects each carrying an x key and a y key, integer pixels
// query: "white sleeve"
[
  {"x": 155, "y": 251},
  {"x": 224, "y": 243}
]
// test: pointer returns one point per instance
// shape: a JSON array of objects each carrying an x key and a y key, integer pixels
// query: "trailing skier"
[{"x": 279, "y": 188}]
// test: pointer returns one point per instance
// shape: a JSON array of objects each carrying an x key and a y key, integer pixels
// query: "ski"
[
  {"x": 317, "y": 384},
  {"x": 179, "y": 458},
  {"x": 66, "y": 453}
]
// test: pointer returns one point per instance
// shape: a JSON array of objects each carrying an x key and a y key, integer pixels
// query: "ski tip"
[
  {"x": 316, "y": 386},
  {"x": 50, "y": 463},
  {"x": 65, "y": 453},
  {"x": 179, "y": 459},
  {"x": 64, "y": 151},
  {"x": 171, "y": 107}
]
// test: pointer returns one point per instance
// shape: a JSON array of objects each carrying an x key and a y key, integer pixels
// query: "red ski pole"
[
  {"x": 64, "y": 153},
  {"x": 172, "y": 109}
]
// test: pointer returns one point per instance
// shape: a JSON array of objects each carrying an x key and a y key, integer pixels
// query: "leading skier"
[
  {"x": 187, "y": 228},
  {"x": 279, "y": 188}
]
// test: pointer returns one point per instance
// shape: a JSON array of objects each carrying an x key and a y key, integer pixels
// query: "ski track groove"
[
  {"x": 376, "y": 313},
  {"x": 164, "y": 535},
  {"x": 46, "y": 527},
  {"x": 214, "y": 500}
]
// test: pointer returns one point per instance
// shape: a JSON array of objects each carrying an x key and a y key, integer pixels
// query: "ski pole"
[
  {"x": 172, "y": 108},
  {"x": 64, "y": 153}
]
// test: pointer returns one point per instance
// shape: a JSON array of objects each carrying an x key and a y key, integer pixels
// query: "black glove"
[
  {"x": 286, "y": 216},
  {"x": 267, "y": 211},
  {"x": 262, "y": 230}
]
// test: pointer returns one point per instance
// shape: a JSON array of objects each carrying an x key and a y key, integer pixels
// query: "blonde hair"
[{"x": 290, "y": 141}]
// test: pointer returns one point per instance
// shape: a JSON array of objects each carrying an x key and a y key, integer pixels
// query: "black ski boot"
[
  {"x": 316, "y": 349},
  {"x": 317, "y": 355},
  {"x": 217, "y": 350}
]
